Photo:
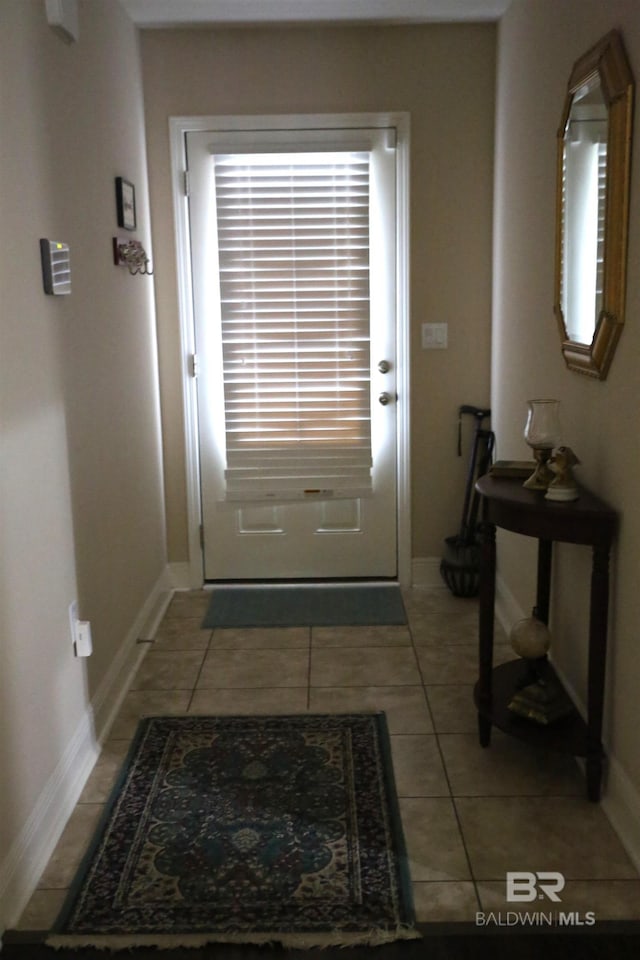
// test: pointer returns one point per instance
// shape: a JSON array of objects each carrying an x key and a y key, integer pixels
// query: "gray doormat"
[{"x": 305, "y": 605}]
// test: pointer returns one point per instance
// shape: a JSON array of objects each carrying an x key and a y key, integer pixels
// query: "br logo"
[{"x": 523, "y": 886}]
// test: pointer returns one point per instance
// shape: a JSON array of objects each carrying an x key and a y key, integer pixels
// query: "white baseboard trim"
[
  {"x": 154, "y": 608},
  {"x": 114, "y": 687},
  {"x": 31, "y": 850},
  {"x": 621, "y": 803},
  {"x": 508, "y": 610},
  {"x": 620, "y": 798},
  {"x": 425, "y": 572},
  {"x": 180, "y": 576}
]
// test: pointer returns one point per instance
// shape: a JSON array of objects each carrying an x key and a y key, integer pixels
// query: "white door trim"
[{"x": 178, "y": 127}]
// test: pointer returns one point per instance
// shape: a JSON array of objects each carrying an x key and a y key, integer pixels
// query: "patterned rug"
[{"x": 247, "y": 830}]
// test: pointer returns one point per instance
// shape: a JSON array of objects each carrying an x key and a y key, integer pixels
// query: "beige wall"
[
  {"x": 81, "y": 495},
  {"x": 539, "y": 42},
  {"x": 442, "y": 75}
]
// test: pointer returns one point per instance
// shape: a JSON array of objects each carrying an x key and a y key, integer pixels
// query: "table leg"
[
  {"x": 486, "y": 627},
  {"x": 594, "y": 777},
  {"x": 543, "y": 590},
  {"x": 598, "y": 622},
  {"x": 484, "y": 730}
]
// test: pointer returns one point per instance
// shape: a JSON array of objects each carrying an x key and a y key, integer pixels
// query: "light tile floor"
[{"x": 469, "y": 815}]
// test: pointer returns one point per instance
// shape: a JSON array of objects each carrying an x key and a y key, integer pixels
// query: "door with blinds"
[{"x": 293, "y": 256}]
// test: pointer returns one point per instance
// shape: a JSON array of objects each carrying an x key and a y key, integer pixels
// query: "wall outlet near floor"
[
  {"x": 84, "y": 644},
  {"x": 80, "y": 633}
]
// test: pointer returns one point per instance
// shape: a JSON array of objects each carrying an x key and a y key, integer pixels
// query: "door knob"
[
  {"x": 384, "y": 399},
  {"x": 384, "y": 366}
]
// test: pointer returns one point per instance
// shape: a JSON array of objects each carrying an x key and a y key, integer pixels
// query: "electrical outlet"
[
  {"x": 80, "y": 633},
  {"x": 84, "y": 645}
]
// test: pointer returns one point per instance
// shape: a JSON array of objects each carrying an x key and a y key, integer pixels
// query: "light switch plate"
[{"x": 435, "y": 336}]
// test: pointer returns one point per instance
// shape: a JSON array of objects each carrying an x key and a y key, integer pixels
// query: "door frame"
[{"x": 178, "y": 127}]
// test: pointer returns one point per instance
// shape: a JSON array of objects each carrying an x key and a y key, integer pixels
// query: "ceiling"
[{"x": 185, "y": 13}]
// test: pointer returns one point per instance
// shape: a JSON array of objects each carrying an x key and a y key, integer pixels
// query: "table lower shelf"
[{"x": 565, "y": 735}]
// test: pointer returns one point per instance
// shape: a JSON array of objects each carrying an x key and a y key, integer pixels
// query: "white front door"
[{"x": 281, "y": 498}]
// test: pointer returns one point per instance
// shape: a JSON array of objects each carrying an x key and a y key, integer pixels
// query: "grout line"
[
  {"x": 195, "y": 685},
  {"x": 310, "y": 648},
  {"x": 448, "y": 780}
]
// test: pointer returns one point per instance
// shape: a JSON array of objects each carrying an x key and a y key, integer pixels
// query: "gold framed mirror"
[{"x": 592, "y": 206}]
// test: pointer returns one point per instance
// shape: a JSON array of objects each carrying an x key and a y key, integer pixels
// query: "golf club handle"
[{"x": 481, "y": 413}]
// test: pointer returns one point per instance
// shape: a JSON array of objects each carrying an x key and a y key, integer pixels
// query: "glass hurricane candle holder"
[{"x": 542, "y": 433}]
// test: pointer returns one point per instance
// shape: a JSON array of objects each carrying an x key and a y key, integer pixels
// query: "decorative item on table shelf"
[
  {"x": 539, "y": 696},
  {"x": 542, "y": 433},
  {"x": 563, "y": 486}
]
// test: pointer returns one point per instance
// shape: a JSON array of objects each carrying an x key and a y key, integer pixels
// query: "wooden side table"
[{"x": 588, "y": 521}]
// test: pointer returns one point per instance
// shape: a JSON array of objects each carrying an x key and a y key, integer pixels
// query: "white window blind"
[{"x": 293, "y": 246}]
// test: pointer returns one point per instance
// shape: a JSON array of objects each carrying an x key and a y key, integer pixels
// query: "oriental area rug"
[{"x": 247, "y": 830}]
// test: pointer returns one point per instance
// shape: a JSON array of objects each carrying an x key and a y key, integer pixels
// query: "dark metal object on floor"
[{"x": 460, "y": 564}]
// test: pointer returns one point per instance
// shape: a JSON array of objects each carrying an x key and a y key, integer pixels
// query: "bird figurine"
[{"x": 563, "y": 486}]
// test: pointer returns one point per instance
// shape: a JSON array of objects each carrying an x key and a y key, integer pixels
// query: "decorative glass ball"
[{"x": 530, "y": 638}]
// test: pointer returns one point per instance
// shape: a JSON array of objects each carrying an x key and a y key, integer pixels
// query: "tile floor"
[{"x": 469, "y": 815}]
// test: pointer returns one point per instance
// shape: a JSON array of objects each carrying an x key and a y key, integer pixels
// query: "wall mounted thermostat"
[{"x": 56, "y": 266}]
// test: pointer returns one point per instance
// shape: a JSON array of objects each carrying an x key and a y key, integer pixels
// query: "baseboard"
[
  {"x": 31, "y": 850},
  {"x": 180, "y": 576},
  {"x": 620, "y": 799},
  {"x": 508, "y": 610},
  {"x": 155, "y": 607},
  {"x": 114, "y": 687},
  {"x": 621, "y": 803},
  {"x": 425, "y": 572}
]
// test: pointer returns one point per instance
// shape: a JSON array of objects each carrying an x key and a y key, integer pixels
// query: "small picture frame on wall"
[{"x": 126, "y": 204}]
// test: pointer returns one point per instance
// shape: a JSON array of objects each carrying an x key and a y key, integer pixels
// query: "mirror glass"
[
  {"x": 583, "y": 212},
  {"x": 592, "y": 208}
]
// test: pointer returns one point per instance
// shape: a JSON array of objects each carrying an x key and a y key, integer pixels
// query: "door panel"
[{"x": 317, "y": 536}]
